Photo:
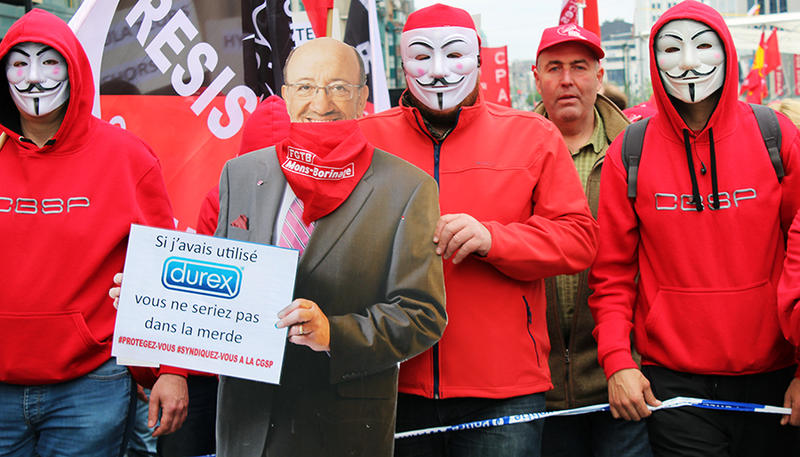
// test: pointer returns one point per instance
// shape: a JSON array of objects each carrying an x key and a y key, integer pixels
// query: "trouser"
[
  {"x": 691, "y": 431},
  {"x": 141, "y": 442},
  {"x": 594, "y": 435},
  {"x": 415, "y": 412},
  {"x": 196, "y": 435},
  {"x": 84, "y": 417}
]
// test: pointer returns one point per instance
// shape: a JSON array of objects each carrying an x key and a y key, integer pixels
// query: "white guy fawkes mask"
[
  {"x": 37, "y": 78},
  {"x": 441, "y": 64},
  {"x": 691, "y": 60}
]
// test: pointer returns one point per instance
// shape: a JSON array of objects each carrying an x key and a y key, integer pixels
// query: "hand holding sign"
[{"x": 308, "y": 325}]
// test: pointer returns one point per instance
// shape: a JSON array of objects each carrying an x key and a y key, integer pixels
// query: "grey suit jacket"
[{"x": 371, "y": 267}]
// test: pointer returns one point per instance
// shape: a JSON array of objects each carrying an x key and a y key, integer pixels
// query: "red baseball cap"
[{"x": 570, "y": 33}]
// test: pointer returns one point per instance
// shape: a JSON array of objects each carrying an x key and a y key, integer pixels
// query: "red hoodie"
[
  {"x": 705, "y": 301},
  {"x": 65, "y": 213},
  {"x": 789, "y": 286}
]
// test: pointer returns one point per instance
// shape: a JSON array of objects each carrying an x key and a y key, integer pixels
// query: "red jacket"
[
  {"x": 65, "y": 213},
  {"x": 705, "y": 301},
  {"x": 512, "y": 171},
  {"x": 789, "y": 286}
]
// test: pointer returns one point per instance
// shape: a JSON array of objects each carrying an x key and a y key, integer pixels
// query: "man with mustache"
[
  {"x": 513, "y": 213},
  {"x": 691, "y": 262},
  {"x": 369, "y": 289},
  {"x": 569, "y": 78},
  {"x": 71, "y": 185}
]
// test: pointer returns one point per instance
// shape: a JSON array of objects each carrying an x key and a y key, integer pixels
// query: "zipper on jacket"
[
  {"x": 435, "y": 355},
  {"x": 437, "y": 147},
  {"x": 528, "y": 327}
]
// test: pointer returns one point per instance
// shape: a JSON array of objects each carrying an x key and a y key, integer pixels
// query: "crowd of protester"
[{"x": 480, "y": 262}]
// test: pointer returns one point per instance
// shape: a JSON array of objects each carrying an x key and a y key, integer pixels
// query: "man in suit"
[{"x": 369, "y": 288}]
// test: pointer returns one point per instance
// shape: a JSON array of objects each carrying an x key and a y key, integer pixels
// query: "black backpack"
[{"x": 634, "y": 139}]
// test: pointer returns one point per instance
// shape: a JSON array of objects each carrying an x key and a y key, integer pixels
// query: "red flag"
[
  {"x": 317, "y": 11},
  {"x": 796, "y": 61},
  {"x": 772, "y": 55},
  {"x": 780, "y": 82},
  {"x": 569, "y": 12},
  {"x": 591, "y": 20},
  {"x": 754, "y": 86},
  {"x": 494, "y": 75}
]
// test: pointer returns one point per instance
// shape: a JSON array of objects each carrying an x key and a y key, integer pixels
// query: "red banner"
[
  {"x": 796, "y": 61},
  {"x": 494, "y": 75},
  {"x": 569, "y": 12},
  {"x": 591, "y": 19},
  {"x": 191, "y": 162},
  {"x": 175, "y": 77},
  {"x": 779, "y": 82}
]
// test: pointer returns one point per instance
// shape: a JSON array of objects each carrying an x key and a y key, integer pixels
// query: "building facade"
[{"x": 10, "y": 11}]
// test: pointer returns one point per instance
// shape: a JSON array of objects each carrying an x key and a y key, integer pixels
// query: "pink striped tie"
[{"x": 294, "y": 233}]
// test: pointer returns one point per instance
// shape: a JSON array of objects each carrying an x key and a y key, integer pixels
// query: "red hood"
[
  {"x": 268, "y": 125},
  {"x": 699, "y": 12},
  {"x": 42, "y": 27}
]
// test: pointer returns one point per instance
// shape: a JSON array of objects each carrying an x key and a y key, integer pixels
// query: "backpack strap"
[
  {"x": 632, "y": 143},
  {"x": 771, "y": 133}
]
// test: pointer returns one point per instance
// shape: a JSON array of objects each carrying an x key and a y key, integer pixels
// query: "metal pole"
[{"x": 28, "y": 5}]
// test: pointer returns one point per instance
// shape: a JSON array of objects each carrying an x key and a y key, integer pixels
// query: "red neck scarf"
[{"x": 323, "y": 162}]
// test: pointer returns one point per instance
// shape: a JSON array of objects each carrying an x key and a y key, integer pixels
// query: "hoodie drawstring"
[
  {"x": 698, "y": 204},
  {"x": 696, "y": 200},
  {"x": 714, "y": 187}
]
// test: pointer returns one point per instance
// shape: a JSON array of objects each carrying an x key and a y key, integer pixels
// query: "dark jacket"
[{"x": 577, "y": 377}]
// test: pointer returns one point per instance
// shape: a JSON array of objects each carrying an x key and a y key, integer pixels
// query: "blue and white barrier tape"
[{"x": 676, "y": 402}]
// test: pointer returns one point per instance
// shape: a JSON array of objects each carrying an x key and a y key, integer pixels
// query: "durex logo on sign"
[{"x": 201, "y": 277}]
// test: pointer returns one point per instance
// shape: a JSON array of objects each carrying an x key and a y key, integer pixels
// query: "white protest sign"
[{"x": 204, "y": 303}]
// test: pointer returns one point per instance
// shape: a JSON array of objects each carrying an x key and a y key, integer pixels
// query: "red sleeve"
[
  {"x": 155, "y": 210},
  {"x": 152, "y": 200},
  {"x": 789, "y": 286},
  {"x": 613, "y": 274},
  {"x": 790, "y": 185},
  {"x": 560, "y": 237},
  {"x": 147, "y": 376},
  {"x": 209, "y": 212}
]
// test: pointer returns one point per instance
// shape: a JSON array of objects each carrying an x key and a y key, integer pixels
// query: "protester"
[
  {"x": 369, "y": 286},
  {"x": 513, "y": 213},
  {"x": 71, "y": 187},
  {"x": 704, "y": 234},
  {"x": 569, "y": 78}
]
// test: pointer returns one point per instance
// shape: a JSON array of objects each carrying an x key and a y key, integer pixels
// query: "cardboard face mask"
[
  {"x": 441, "y": 64},
  {"x": 37, "y": 78},
  {"x": 691, "y": 60}
]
